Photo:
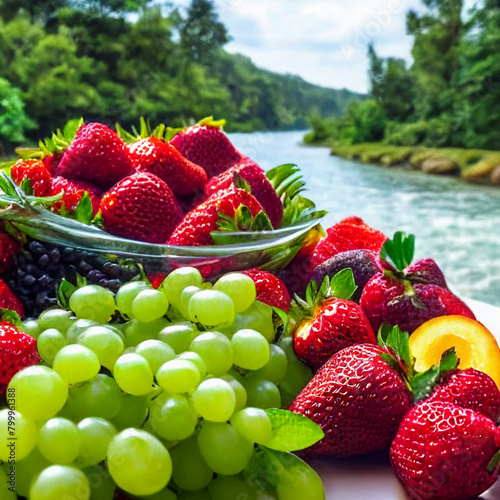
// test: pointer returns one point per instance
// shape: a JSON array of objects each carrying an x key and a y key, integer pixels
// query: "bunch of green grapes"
[{"x": 167, "y": 402}]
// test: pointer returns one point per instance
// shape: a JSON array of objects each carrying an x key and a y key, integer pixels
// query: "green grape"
[
  {"x": 258, "y": 317},
  {"x": 240, "y": 288},
  {"x": 250, "y": 349},
  {"x": 136, "y": 332},
  {"x": 239, "y": 391},
  {"x": 49, "y": 343},
  {"x": 18, "y": 435},
  {"x": 59, "y": 441},
  {"x": 149, "y": 305},
  {"x": 214, "y": 400},
  {"x": 211, "y": 308},
  {"x": 231, "y": 488},
  {"x": 296, "y": 479},
  {"x": 27, "y": 469},
  {"x": 31, "y": 327},
  {"x": 102, "y": 486},
  {"x": 190, "y": 470},
  {"x": 197, "y": 360},
  {"x": 179, "y": 336},
  {"x": 95, "y": 436},
  {"x": 186, "y": 295},
  {"x": 93, "y": 302},
  {"x": 262, "y": 393},
  {"x": 133, "y": 375},
  {"x": 60, "y": 482},
  {"x": 254, "y": 424},
  {"x": 126, "y": 295},
  {"x": 177, "y": 281},
  {"x": 165, "y": 494},
  {"x": 194, "y": 495},
  {"x": 275, "y": 369},
  {"x": 78, "y": 327},
  {"x": 223, "y": 448},
  {"x": 41, "y": 393},
  {"x": 297, "y": 373},
  {"x": 105, "y": 343},
  {"x": 172, "y": 417},
  {"x": 60, "y": 319},
  {"x": 155, "y": 352},
  {"x": 5, "y": 483},
  {"x": 76, "y": 363},
  {"x": 215, "y": 350},
  {"x": 134, "y": 410},
  {"x": 100, "y": 397},
  {"x": 138, "y": 462},
  {"x": 178, "y": 376}
]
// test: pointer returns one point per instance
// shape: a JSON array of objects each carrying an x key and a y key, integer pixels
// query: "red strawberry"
[
  {"x": 349, "y": 234},
  {"x": 158, "y": 157},
  {"x": 358, "y": 400},
  {"x": 206, "y": 145},
  {"x": 442, "y": 452},
  {"x": 96, "y": 155},
  {"x": 8, "y": 300},
  {"x": 141, "y": 207},
  {"x": 8, "y": 249},
  {"x": 260, "y": 187},
  {"x": 51, "y": 162},
  {"x": 270, "y": 289},
  {"x": 17, "y": 351},
  {"x": 35, "y": 171},
  {"x": 195, "y": 228},
  {"x": 330, "y": 323},
  {"x": 470, "y": 389},
  {"x": 426, "y": 271},
  {"x": 73, "y": 193},
  {"x": 397, "y": 298}
]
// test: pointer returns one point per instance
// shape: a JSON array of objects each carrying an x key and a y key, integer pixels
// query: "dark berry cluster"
[{"x": 40, "y": 268}]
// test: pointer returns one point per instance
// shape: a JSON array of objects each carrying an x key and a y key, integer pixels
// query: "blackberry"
[{"x": 40, "y": 268}]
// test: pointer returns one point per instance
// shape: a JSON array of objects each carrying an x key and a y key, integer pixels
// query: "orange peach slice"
[{"x": 475, "y": 345}]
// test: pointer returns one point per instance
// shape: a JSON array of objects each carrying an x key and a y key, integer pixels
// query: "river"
[{"x": 456, "y": 223}]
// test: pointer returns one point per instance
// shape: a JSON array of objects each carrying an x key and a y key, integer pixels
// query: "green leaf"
[
  {"x": 81, "y": 281},
  {"x": 261, "y": 222},
  {"x": 292, "y": 431},
  {"x": 282, "y": 315},
  {"x": 210, "y": 122},
  {"x": 342, "y": 285},
  {"x": 83, "y": 212},
  {"x": 26, "y": 186},
  {"x": 399, "y": 343},
  {"x": 97, "y": 221},
  {"x": 494, "y": 463},
  {"x": 125, "y": 136},
  {"x": 10, "y": 316},
  {"x": 64, "y": 292},
  {"x": 241, "y": 183},
  {"x": 399, "y": 251},
  {"x": 263, "y": 471}
]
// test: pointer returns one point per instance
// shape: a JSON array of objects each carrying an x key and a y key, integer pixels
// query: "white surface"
[{"x": 372, "y": 478}]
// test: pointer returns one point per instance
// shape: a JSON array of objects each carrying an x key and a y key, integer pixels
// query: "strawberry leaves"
[{"x": 399, "y": 251}]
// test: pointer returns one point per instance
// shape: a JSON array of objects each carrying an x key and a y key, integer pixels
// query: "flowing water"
[{"x": 456, "y": 223}]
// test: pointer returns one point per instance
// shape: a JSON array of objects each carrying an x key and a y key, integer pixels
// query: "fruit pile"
[{"x": 127, "y": 382}]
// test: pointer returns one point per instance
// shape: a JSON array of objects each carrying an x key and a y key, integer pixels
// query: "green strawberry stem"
[
  {"x": 399, "y": 251},
  {"x": 494, "y": 463}
]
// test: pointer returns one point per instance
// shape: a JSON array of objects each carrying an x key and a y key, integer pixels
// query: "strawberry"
[
  {"x": 349, "y": 234},
  {"x": 73, "y": 193},
  {"x": 140, "y": 207},
  {"x": 358, "y": 400},
  {"x": 96, "y": 155},
  {"x": 470, "y": 389},
  {"x": 17, "y": 351},
  {"x": 330, "y": 321},
  {"x": 35, "y": 171},
  {"x": 158, "y": 157},
  {"x": 206, "y": 145},
  {"x": 270, "y": 289},
  {"x": 443, "y": 451},
  {"x": 8, "y": 300},
  {"x": 260, "y": 187},
  {"x": 426, "y": 271},
  {"x": 363, "y": 263},
  {"x": 51, "y": 162},
  {"x": 8, "y": 248},
  {"x": 195, "y": 228},
  {"x": 395, "y": 297}
]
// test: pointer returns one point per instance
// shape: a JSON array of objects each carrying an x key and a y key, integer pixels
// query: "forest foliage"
[
  {"x": 449, "y": 96},
  {"x": 117, "y": 60}
]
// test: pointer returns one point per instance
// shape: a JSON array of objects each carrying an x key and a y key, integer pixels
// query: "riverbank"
[{"x": 472, "y": 165}]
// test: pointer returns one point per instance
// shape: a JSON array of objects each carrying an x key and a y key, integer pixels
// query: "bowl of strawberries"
[{"x": 165, "y": 197}]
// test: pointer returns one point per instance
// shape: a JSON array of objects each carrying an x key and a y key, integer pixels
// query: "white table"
[{"x": 373, "y": 479}]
